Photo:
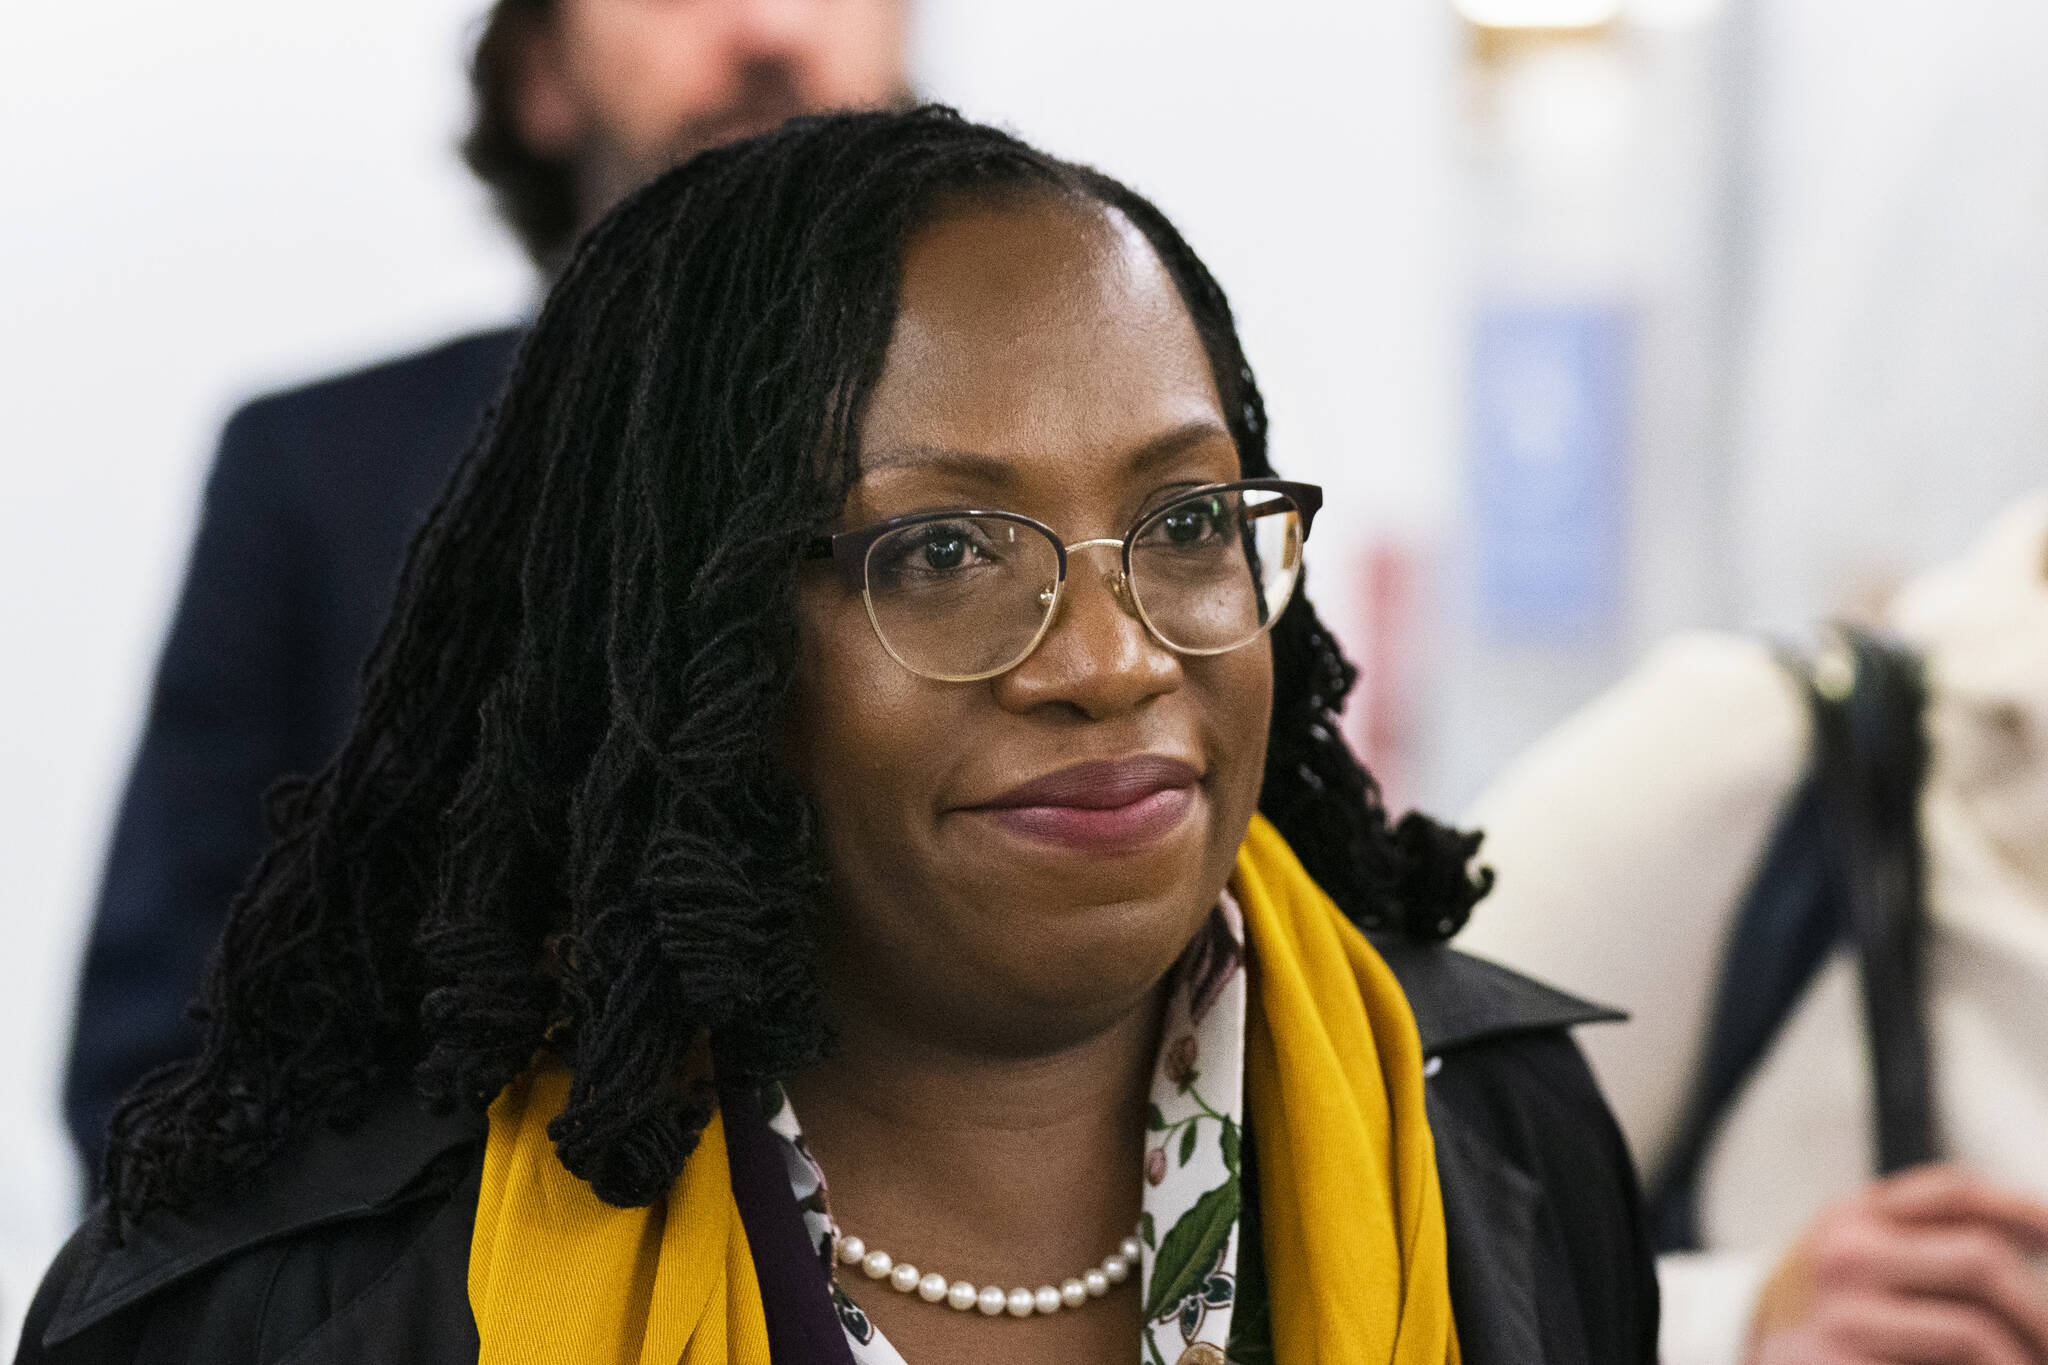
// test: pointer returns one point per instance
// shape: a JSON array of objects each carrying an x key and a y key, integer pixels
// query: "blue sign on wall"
[{"x": 1549, "y": 467}]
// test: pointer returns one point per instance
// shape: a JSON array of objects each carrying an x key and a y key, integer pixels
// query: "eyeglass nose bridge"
[{"x": 1118, "y": 583}]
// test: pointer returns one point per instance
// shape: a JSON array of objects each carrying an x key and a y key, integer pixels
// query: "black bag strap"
[
  {"x": 1873, "y": 763},
  {"x": 1844, "y": 864}
]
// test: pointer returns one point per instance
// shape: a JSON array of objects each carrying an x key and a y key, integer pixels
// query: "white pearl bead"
[{"x": 992, "y": 1300}]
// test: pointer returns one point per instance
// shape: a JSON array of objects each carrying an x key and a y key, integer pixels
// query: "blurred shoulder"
[
  {"x": 457, "y": 378},
  {"x": 1704, "y": 712},
  {"x": 1651, "y": 803}
]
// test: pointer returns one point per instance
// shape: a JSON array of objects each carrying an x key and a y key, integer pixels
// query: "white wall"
[
  {"x": 1895, "y": 385},
  {"x": 201, "y": 200},
  {"x": 205, "y": 200}
]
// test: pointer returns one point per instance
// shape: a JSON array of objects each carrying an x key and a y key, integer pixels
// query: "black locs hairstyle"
[{"x": 560, "y": 821}]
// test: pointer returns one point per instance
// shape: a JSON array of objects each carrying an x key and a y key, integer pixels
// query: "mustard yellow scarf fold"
[
  {"x": 1349, "y": 1205},
  {"x": 1352, "y": 1214},
  {"x": 559, "y": 1277}
]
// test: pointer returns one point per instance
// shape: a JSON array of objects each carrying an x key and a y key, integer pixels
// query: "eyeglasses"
[{"x": 964, "y": 595}]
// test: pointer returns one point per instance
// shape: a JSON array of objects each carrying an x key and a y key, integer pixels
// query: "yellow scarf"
[
  {"x": 559, "y": 1277},
  {"x": 1352, "y": 1214},
  {"x": 1333, "y": 1090}
]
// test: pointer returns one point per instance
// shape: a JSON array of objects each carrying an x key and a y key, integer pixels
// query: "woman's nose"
[{"x": 1097, "y": 657}]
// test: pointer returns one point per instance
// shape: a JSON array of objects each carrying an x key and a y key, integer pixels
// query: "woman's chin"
[
  {"x": 1076, "y": 962},
  {"x": 1065, "y": 994}
]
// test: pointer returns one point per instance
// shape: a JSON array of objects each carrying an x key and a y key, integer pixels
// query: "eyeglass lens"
[
  {"x": 1210, "y": 572},
  {"x": 964, "y": 597}
]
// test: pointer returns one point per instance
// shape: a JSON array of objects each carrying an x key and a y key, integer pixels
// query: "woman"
[{"x": 846, "y": 683}]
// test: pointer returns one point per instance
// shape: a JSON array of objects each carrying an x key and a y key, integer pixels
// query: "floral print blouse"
[{"x": 1193, "y": 1202}]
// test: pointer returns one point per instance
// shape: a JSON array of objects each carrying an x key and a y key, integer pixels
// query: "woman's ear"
[{"x": 550, "y": 118}]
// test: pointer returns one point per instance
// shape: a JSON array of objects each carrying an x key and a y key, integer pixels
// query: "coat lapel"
[
  {"x": 1459, "y": 1000},
  {"x": 1490, "y": 1217},
  {"x": 1491, "y": 1205}
]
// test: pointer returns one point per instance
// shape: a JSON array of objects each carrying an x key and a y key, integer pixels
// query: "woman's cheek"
[
  {"x": 1241, "y": 714},
  {"x": 874, "y": 733}
]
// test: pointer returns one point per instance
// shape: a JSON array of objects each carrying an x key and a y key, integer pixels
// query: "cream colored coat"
[{"x": 1625, "y": 840}]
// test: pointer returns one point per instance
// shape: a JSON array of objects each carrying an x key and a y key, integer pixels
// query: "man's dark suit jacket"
[{"x": 312, "y": 501}]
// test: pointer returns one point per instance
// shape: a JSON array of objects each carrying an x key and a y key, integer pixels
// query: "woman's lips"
[{"x": 1102, "y": 806}]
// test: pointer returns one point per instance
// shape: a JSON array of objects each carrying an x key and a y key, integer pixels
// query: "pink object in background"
[{"x": 1383, "y": 719}]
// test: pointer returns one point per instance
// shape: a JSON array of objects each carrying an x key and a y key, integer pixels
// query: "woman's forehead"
[{"x": 1044, "y": 334}]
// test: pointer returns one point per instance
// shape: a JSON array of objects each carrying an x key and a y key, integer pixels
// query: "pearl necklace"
[{"x": 992, "y": 1299}]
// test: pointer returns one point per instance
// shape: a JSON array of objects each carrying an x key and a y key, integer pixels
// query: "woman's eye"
[
  {"x": 932, "y": 552},
  {"x": 1196, "y": 521},
  {"x": 945, "y": 551}
]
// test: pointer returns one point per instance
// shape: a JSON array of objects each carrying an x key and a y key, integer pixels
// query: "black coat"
[
  {"x": 354, "y": 1250},
  {"x": 313, "y": 498}
]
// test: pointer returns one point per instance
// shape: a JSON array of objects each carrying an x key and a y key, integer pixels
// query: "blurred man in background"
[{"x": 315, "y": 493}]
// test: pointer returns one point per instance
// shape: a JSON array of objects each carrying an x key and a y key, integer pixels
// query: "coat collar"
[
  {"x": 327, "y": 1177},
  {"x": 1459, "y": 1000}
]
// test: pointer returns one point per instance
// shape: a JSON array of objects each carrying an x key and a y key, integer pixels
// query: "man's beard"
[{"x": 768, "y": 95}]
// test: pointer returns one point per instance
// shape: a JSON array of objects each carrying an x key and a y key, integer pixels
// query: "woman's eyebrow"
[
  {"x": 971, "y": 464},
  {"x": 998, "y": 472},
  {"x": 1171, "y": 445}
]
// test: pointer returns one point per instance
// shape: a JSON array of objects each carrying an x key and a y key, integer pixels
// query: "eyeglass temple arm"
[
  {"x": 1306, "y": 497},
  {"x": 848, "y": 561}
]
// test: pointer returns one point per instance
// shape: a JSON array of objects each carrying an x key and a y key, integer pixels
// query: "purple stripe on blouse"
[{"x": 803, "y": 1328}]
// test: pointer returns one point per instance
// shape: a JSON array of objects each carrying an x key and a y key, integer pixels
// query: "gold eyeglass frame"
[{"x": 850, "y": 552}]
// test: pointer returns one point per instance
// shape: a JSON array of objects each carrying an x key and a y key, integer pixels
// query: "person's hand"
[{"x": 1929, "y": 1267}]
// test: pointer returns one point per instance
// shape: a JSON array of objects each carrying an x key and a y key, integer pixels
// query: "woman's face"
[{"x": 1042, "y": 363}]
